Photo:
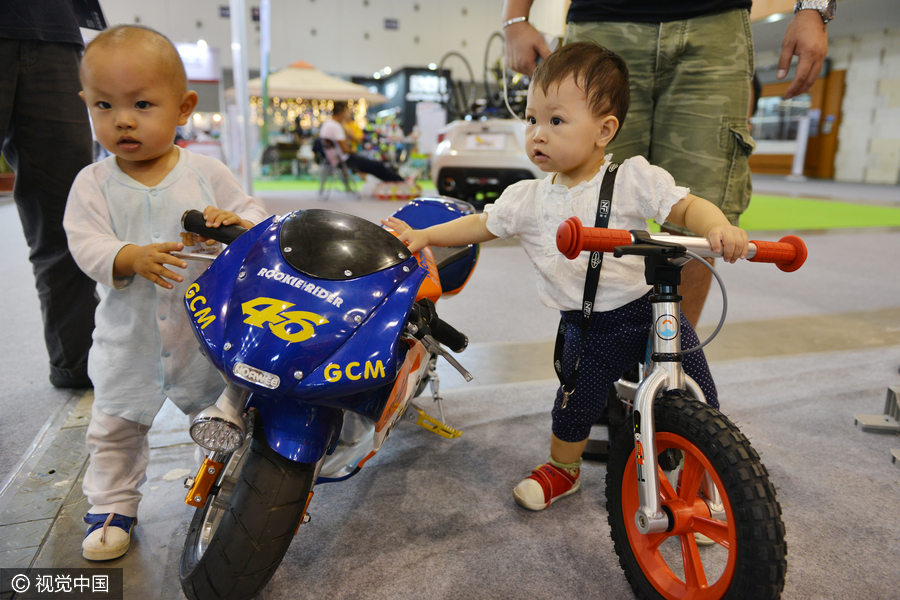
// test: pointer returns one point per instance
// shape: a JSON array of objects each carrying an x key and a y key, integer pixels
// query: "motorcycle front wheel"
[
  {"x": 741, "y": 550},
  {"x": 237, "y": 540}
]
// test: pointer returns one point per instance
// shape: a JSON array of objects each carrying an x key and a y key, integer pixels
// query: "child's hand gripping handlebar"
[
  {"x": 572, "y": 238},
  {"x": 195, "y": 222}
]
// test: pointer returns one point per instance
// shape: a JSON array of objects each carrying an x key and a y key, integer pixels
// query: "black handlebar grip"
[
  {"x": 448, "y": 335},
  {"x": 193, "y": 221}
]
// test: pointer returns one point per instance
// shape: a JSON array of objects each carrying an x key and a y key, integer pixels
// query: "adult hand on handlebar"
[
  {"x": 149, "y": 262},
  {"x": 415, "y": 239},
  {"x": 731, "y": 241}
]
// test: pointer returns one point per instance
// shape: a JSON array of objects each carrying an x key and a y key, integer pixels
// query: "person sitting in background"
[
  {"x": 333, "y": 130},
  {"x": 297, "y": 133},
  {"x": 355, "y": 135}
]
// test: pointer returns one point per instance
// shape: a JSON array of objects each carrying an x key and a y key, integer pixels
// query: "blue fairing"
[
  {"x": 425, "y": 212},
  {"x": 296, "y": 430},
  {"x": 283, "y": 334},
  {"x": 372, "y": 360},
  {"x": 206, "y": 300}
]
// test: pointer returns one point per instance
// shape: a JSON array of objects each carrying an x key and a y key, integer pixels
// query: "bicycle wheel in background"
[{"x": 743, "y": 553}]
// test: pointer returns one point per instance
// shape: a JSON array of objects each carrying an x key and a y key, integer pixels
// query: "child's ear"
[
  {"x": 188, "y": 104},
  {"x": 609, "y": 125},
  {"x": 81, "y": 95}
]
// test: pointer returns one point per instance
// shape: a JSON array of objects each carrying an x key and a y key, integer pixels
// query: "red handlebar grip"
[
  {"x": 572, "y": 238},
  {"x": 789, "y": 253}
]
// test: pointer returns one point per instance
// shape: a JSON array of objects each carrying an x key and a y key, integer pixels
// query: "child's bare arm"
[
  {"x": 705, "y": 219},
  {"x": 471, "y": 229},
  {"x": 149, "y": 262}
]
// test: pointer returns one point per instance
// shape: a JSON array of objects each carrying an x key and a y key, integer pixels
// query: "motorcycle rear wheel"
[
  {"x": 747, "y": 559},
  {"x": 240, "y": 536}
]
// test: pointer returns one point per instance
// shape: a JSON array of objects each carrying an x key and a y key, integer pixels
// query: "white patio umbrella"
[{"x": 302, "y": 80}]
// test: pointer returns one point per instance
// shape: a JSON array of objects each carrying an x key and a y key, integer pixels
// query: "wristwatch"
[{"x": 827, "y": 8}]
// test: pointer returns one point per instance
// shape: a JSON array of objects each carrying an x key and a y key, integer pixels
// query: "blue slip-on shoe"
[{"x": 108, "y": 537}]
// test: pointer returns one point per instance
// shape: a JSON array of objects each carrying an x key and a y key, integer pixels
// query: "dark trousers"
[
  {"x": 372, "y": 167},
  {"x": 616, "y": 340},
  {"x": 47, "y": 141}
]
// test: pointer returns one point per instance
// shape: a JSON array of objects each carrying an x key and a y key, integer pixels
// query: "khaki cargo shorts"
[{"x": 690, "y": 99}]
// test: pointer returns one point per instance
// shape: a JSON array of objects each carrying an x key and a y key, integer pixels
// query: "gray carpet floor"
[{"x": 436, "y": 518}]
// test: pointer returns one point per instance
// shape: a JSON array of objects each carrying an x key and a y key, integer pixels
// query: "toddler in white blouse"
[{"x": 577, "y": 101}]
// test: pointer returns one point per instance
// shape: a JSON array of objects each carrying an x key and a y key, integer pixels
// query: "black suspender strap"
[{"x": 590, "y": 289}]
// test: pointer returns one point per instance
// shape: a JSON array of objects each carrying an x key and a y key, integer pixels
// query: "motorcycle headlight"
[{"x": 216, "y": 433}]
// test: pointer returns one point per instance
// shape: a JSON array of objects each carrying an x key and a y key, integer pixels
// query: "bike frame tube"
[
  {"x": 649, "y": 517},
  {"x": 664, "y": 375}
]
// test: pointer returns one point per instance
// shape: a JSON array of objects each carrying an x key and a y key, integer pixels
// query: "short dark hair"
[
  {"x": 148, "y": 39},
  {"x": 339, "y": 107},
  {"x": 600, "y": 73}
]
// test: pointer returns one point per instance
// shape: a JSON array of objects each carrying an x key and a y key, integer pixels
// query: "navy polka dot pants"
[{"x": 615, "y": 341}]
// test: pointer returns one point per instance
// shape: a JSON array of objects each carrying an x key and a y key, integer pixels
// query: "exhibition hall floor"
[{"x": 799, "y": 355}]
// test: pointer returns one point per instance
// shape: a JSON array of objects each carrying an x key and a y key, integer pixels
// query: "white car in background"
[{"x": 476, "y": 160}]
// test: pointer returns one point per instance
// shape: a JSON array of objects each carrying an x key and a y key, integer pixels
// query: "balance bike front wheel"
[{"x": 742, "y": 549}]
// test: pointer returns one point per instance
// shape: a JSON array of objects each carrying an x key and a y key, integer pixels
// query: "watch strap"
[{"x": 827, "y": 9}]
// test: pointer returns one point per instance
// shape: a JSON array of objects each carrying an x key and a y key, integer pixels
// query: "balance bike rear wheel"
[{"x": 746, "y": 558}]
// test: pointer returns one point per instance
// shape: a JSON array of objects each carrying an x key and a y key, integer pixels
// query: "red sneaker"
[{"x": 544, "y": 486}]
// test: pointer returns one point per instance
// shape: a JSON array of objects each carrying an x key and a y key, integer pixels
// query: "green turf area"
[
  {"x": 780, "y": 213},
  {"x": 765, "y": 213},
  {"x": 772, "y": 213}
]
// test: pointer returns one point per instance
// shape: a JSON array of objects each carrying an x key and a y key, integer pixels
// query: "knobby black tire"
[
  {"x": 760, "y": 565},
  {"x": 254, "y": 534}
]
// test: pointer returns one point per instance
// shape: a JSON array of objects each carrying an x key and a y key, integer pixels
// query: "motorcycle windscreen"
[{"x": 331, "y": 245}]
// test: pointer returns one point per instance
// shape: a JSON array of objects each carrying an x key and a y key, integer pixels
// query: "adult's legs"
[
  {"x": 635, "y": 43},
  {"x": 372, "y": 167},
  {"x": 690, "y": 86},
  {"x": 696, "y": 280},
  {"x": 47, "y": 142},
  {"x": 701, "y": 134}
]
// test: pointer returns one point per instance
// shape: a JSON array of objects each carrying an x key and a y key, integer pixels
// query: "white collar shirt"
[{"x": 534, "y": 209}]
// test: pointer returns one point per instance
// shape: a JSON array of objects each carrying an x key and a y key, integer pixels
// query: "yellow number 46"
[{"x": 274, "y": 312}]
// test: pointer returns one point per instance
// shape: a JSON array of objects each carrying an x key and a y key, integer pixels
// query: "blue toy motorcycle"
[{"x": 324, "y": 327}]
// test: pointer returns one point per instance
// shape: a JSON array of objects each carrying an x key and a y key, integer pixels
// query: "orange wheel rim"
[{"x": 701, "y": 574}]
